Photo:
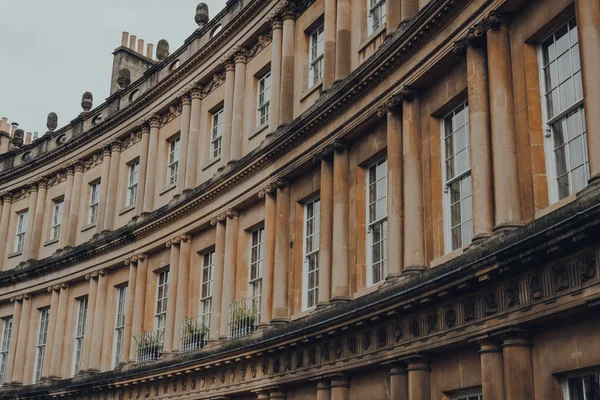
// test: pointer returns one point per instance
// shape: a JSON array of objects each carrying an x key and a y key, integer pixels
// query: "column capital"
[
  {"x": 323, "y": 384},
  {"x": 408, "y": 93},
  {"x": 489, "y": 346},
  {"x": 145, "y": 129},
  {"x": 228, "y": 64},
  {"x": 6, "y": 197},
  {"x": 54, "y": 288},
  {"x": 186, "y": 99},
  {"x": 495, "y": 20},
  {"x": 42, "y": 183},
  {"x": 32, "y": 186},
  {"x": 339, "y": 380},
  {"x": 398, "y": 369},
  {"x": 269, "y": 188},
  {"x": 78, "y": 166},
  {"x": 417, "y": 363},
  {"x": 154, "y": 120},
  {"x": 389, "y": 105},
  {"x": 197, "y": 92},
  {"x": 326, "y": 153},
  {"x": 142, "y": 256},
  {"x": 474, "y": 37},
  {"x": 276, "y": 22}
]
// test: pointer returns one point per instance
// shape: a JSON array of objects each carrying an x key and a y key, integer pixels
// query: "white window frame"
[
  {"x": 79, "y": 335},
  {"x": 308, "y": 292},
  {"x": 264, "y": 99},
  {"x": 256, "y": 258},
  {"x": 94, "y": 199},
  {"x": 121, "y": 305},
  {"x": 132, "y": 182},
  {"x": 216, "y": 134},
  {"x": 579, "y": 374},
  {"x": 160, "y": 311},
  {"x": 378, "y": 221},
  {"x": 459, "y": 177},
  {"x": 57, "y": 214},
  {"x": 473, "y": 394},
  {"x": 173, "y": 160},
  {"x": 206, "y": 286},
  {"x": 316, "y": 53},
  {"x": 40, "y": 350},
  {"x": 373, "y": 7},
  {"x": 21, "y": 231},
  {"x": 5, "y": 346},
  {"x": 576, "y": 107}
]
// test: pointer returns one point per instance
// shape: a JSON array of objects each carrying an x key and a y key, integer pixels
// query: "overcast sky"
[{"x": 53, "y": 51}]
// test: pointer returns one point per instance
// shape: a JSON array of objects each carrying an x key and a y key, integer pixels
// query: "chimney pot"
[
  {"x": 132, "y": 39},
  {"x": 140, "y": 46},
  {"x": 149, "y": 50},
  {"x": 124, "y": 39},
  {"x": 28, "y": 137}
]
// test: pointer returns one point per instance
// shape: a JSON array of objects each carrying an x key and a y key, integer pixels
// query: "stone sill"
[
  {"x": 211, "y": 162},
  {"x": 88, "y": 227},
  {"x": 167, "y": 189},
  {"x": 554, "y": 206},
  {"x": 311, "y": 90},
  {"x": 376, "y": 33},
  {"x": 366, "y": 290},
  {"x": 127, "y": 209},
  {"x": 258, "y": 130},
  {"x": 303, "y": 313},
  {"x": 50, "y": 241},
  {"x": 446, "y": 257},
  {"x": 13, "y": 255}
]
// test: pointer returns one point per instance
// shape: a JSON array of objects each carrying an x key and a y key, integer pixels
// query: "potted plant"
[
  {"x": 195, "y": 334},
  {"x": 245, "y": 318},
  {"x": 150, "y": 346}
]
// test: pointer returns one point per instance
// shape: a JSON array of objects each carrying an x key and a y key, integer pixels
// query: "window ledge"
[
  {"x": 302, "y": 313},
  {"x": 446, "y": 257},
  {"x": 127, "y": 209},
  {"x": 376, "y": 33},
  {"x": 318, "y": 85},
  {"x": 16, "y": 254},
  {"x": 258, "y": 130},
  {"x": 167, "y": 189},
  {"x": 88, "y": 227},
  {"x": 555, "y": 206},
  {"x": 368, "y": 289},
  {"x": 50, "y": 241},
  {"x": 211, "y": 162}
]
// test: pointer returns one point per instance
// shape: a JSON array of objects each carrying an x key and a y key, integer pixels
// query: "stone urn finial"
[
  {"x": 162, "y": 49},
  {"x": 52, "y": 121},
  {"x": 17, "y": 138},
  {"x": 124, "y": 78},
  {"x": 87, "y": 101},
  {"x": 201, "y": 15}
]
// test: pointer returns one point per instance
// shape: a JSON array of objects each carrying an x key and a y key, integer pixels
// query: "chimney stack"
[
  {"x": 28, "y": 138},
  {"x": 140, "y": 46},
  {"x": 124, "y": 39},
  {"x": 132, "y": 40},
  {"x": 149, "y": 50}
]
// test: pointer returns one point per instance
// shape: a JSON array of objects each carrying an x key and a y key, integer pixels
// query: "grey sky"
[{"x": 53, "y": 51}]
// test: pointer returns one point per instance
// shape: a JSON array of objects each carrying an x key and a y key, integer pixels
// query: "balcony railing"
[
  {"x": 194, "y": 334},
  {"x": 244, "y": 316},
  {"x": 149, "y": 346}
]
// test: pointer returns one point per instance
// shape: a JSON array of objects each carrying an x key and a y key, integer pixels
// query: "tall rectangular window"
[
  {"x": 264, "y": 98},
  {"x": 40, "y": 351},
  {"x": 4, "y": 346},
  {"x": 208, "y": 264},
  {"x": 583, "y": 387},
  {"x": 310, "y": 284},
  {"x": 458, "y": 204},
  {"x": 82, "y": 308},
  {"x": 57, "y": 214},
  {"x": 162, "y": 289},
  {"x": 216, "y": 136},
  {"x": 132, "y": 183},
  {"x": 376, "y": 14},
  {"x": 377, "y": 222},
  {"x": 315, "y": 55},
  {"x": 119, "y": 324},
  {"x": 94, "y": 199},
  {"x": 257, "y": 252},
  {"x": 173, "y": 166},
  {"x": 21, "y": 231},
  {"x": 566, "y": 144}
]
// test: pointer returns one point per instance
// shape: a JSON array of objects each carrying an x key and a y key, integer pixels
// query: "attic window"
[
  {"x": 62, "y": 139},
  {"x": 134, "y": 95},
  {"x": 26, "y": 157},
  {"x": 174, "y": 66},
  {"x": 97, "y": 119},
  {"x": 216, "y": 30}
]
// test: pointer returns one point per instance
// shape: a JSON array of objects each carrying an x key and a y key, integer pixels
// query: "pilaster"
[
  {"x": 149, "y": 190},
  {"x": 184, "y": 141},
  {"x": 280, "y": 275},
  {"x": 340, "y": 275},
  {"x": 169, "y": 338},
  {"x": 266, "y": 304}
]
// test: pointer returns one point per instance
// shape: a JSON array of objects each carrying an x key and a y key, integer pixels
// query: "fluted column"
[
  {"x": 414, "y": 242},
  {"x": 33, "y": 195},
  {"x": 504, "y": 145},
  {"x": 89, "y": 323},
  {"x": 237, "y": 125},
  {"x": 227, "y": 111},
  {"x": 182, "y": 288},
  {"x": 111, "y": 186},
  {"x": 229, "y": 268},
  {"x": 38, "y": 220},
  {"x": 149, "y": 190},
  {"x": 518, "y": 368},
  {"x": 19, "y": 366},
  {"x": 492, "y": 370},
  {"x": 217, "y": 293},
  {"x": 266, "y": 301},
  {"x": 343, "y": 39},
  {"x": 54, "y": 291},
  {"x": 329, "y": 37},
  {"x": 104, "y": 178},
  {"x": 137, "y": 323},
  {"x": 4, "y": 220},
  {"x": 193, "y": 149},
  {"x": 588, "y": 30},
  {"x": 398, "y": 383},
  {"x": 12, "y": 348},
  {"x": 144, "y": 147},
  {"x": 74, "y": 208},
  {"x": 184, "y": 141},
  {"x": 340, "y": 387},
  {"x": 276, "y": 53},
  {"x": 280, "y": 273},
  {"x": 340, "y": 275},
  {"x": 324, "y": 389},
  {"x": 286, "y": 96},
  {"x": 59, "y": 338},
  {"x": 97, "y": 333},
  {"x": 173, "y": 244},
  {"x": 325, "y": 231},
  {"x": 64, "y": 225},
  {"x": 419, "y": 384}
]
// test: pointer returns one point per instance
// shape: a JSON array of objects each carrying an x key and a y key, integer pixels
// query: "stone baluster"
[
  {"x": 144, "y": 147},
  {"x": 38, "y": 220},
  {"x": 266, "y": 302},
  {"x": 149, "y": 189},
  {"x": 193, "y": 150},
  {"x": 280, "y": 313},
  {"x": 173, "y": 244},
  {"x": 340, "y": 275},
  {"x": 276, "y": 54}
]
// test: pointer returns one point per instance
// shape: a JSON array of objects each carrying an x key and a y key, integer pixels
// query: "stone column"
[
  {"x": 12, "y": 348},
  {"x": 64, "y": 224},
  {"x": 504, "y": 145},
  {"x": 277, "y": 393},
  {"x": 185, "y": 245},
  {"x": 227, "y": 111},
  {"x": 325, "y": 231},
  {"x": 408, "y": 9},
  {"x": 215, "y": 321},
  {"x": 329, "y": 36},
  {"x": 74, "y": 208},
  {"x": 492, "y": 370},
  {"x": 419, "y": 385},
  {"x": 97, "y": 333},
  {"x": 193, "y": 150},
  {"x": 343, "y": 39},
  {"x": 324, "y": 389},
  {"x": 340, "y": 275},
  {"x": 588, "y": 30},
  {"x": 89, "y": 322},
  {"x": 19, "y": 366},
  {"x": 59, "y": 338},
  {"x": 286, "y": 97},
  {"x": 111, "y": 186},
  {"x": 340, "y": 387},
  {"x": 393, "y": 16},
  {"x": 282, "y": 245},
  {"x": 54, "y": 291},
  {"x": 33, "y": 195},
  {"x": 137, "y": 324},
  {"x": 229, "y": 269},
  {"x": 414, "y": 241},
  {"x": 4, "y": 222},
  {"x": 518, "y": 368},
  {"x": 104, "y": 178},
  {"x": 262, "y": 395},
  {"x": 398, "y": 383},
  {"x": 172, "y": 294},
  {"x": 237, "y": 124},
  {"x": 184, "y": 141},
  {"x": 276, "y": 53},
  {"x": 266, "y": 301},
  {"x": 38, "y": 220},
  {"x": 151, "y": 164},
  {"x": 144, "y": 147},
  {"x": 129, "y": 309}
]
